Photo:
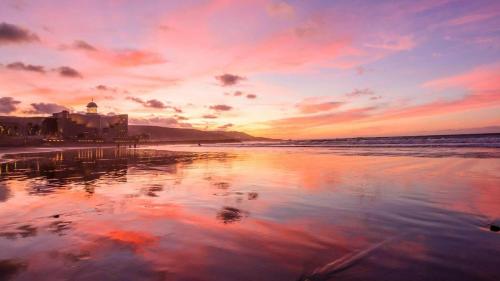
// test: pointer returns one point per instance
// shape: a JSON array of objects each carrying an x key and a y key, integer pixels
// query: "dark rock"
[
  {"x": 229, "y": 215},
  {"x": 494, "y": 228},
  {"x": 4, "y": 193},
  {"x": 222, "y": 185},
  {"x": 252, "y": 195},
  {"x": 9, "y": 268}
]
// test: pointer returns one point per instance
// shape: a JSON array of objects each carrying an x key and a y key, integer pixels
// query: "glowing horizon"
[{"x": 284, "y": 69}]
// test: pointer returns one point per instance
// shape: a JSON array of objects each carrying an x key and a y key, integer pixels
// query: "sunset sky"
[{"x": 285, "y": 69}]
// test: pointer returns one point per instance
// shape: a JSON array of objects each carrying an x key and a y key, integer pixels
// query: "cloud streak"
[
  {"x": 8, "y": 105},
  {"x": 126, "y": 57},
  {"x": 160, "y": 121},
  {"x": 221, "y": 107},
  {"x": 82, "y": 45},
  {"x": 105, "y": 88},
  {"x": 25, "y": 67},
  {"x": 46, "y": 108},
  {"x": 241, "y": 94},
  {"x": 307, "y": 107},
  {"x": 228, "y": 79},
  {"x": 307, "y": 122},
  {"x": 360, "y": 92},
  {"x": 68, "y": 72},
  {"x": 152, "y": 103},
  {"x": 13, "y": 34},
  {"x": 225, "y": 126}
]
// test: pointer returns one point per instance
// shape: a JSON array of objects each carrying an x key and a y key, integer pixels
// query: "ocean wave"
[{"x": 480, "y": 141}]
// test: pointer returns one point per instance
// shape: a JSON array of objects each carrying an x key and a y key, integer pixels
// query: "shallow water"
[{"x": 250, "y": 214}]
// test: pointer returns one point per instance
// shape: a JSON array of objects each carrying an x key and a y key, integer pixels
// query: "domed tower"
[{"x": 92, "y": 107}]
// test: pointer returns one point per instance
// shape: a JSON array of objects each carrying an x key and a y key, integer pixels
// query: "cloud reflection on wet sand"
[{"x": 252, "y": 215}]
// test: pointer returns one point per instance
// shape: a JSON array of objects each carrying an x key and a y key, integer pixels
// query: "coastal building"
[
  {"x": 89, "y": 126},
  {"x": 12, "y": 126}
]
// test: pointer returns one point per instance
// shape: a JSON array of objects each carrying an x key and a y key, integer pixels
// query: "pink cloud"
[
  {"x": 221, "y": 107},
  {"x": 116, "y": 57},
  {"x": 306, "y": 107},
  {"x": 288, "y": 51},
  {"x": 303, "y": 44},
  {"x": 128, "y": 57}
]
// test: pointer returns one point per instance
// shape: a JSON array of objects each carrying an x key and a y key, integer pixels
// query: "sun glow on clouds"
[{"x": 208, "y": 64}]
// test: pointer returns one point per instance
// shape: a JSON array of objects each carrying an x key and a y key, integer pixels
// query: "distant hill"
[{"x": 181, "y": 134}]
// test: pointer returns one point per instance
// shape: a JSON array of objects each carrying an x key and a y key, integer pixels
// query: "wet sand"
[
  {"x": 249, "y": 214},
  {"x": 5, "y": 151}
]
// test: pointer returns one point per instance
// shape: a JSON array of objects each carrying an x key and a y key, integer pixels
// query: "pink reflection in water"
[{"x": 247, "y": 214}]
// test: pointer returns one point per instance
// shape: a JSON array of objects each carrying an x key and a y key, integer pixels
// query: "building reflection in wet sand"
[{"x": 108, "y": 214}]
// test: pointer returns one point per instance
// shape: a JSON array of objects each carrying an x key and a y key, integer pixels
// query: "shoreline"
[{"x": 111, "y": 144}]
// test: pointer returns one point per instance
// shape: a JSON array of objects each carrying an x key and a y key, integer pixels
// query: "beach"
[{"x": 248, "y": 213}]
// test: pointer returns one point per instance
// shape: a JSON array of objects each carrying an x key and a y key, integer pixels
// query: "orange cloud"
[
  {"x": 480, "y": 79},
  {"x": 128, "y": 57},
  {"x": 308, "y": 108},
  {"x": 482, "y": 86},
  {"x": 306, "y": 122}
]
